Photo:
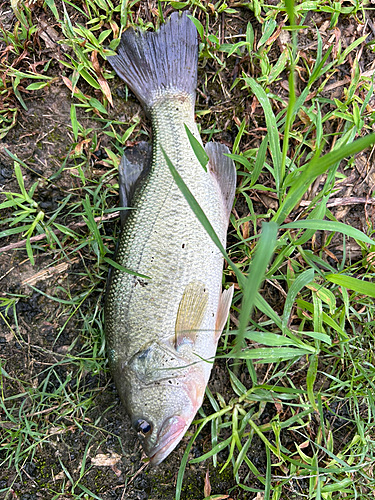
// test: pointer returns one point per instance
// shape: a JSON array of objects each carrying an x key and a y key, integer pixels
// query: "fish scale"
[{"x": 161, "y": 223}]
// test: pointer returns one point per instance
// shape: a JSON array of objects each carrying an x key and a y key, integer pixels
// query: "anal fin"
[{"x": 223, "y": 310}]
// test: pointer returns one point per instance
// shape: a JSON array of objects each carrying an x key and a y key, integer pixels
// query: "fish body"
[{"x": 162, "y": 328}]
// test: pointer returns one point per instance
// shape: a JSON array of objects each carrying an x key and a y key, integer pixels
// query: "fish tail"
[{"x": 155, "y": 62}]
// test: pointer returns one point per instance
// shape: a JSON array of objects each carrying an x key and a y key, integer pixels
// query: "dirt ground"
[{"x": 42, "y": 138}]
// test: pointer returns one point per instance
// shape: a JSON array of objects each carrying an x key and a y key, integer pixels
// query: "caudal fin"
[{"x": 153, "y": 62}]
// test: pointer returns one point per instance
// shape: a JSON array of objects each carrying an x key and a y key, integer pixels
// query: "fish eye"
[{"x": 142, "y": 426}]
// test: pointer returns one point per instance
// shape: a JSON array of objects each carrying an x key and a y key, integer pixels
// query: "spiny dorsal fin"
[
  {"x": 223, "y": 310},
  {"x": 190, "y": 313},
  {"x": 224, "y": 171}
]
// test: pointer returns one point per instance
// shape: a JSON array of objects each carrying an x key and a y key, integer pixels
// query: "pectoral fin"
[
  {"x": 223, "y": 310},
  {"x": 223, "y": 170},
  {"x": 190, "y": 313}
]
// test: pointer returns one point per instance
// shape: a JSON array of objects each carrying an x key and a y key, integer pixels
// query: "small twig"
[
  {"x": 132, "y": 479},
  {"x": 371, "y": 24},
  {"x": 278, "y": 286},
  {"x": 39, "y": 237},
  {"x": 339, "y": 202}
]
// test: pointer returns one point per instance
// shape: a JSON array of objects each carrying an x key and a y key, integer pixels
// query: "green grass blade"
[
  {"x": 263, "y": 255},
  {"x": 198, "y": 149},
  {"x": 239, "y": 136},
  {"x": 274, "y": 340},
  {"x": 326, "y": 319},
  {"x": 310, "y": 379},
  {"x": 123, "y": 269},
  {"x": 317, "y": 166},
  {"x": 259, "y": 162},
  {"x": 194, "y": 205},
  {"x": 301, "y": 281},
  {"x": 92, "y": 225},
  {"x": 328, "y": 225},
  {"x": 357, "y": 285},
  {"x": 261, "y": 303},
  {"x": 270, "y": 355},
  {"x": 273, "y": 134}
]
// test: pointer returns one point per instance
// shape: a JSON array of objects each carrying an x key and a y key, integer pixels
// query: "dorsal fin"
[
  {"x": 190, "y": 313},
  {"x": 134, "y": 165},
  {"x": 223, "y": 310},
  {"x": 224, "y": 171}
]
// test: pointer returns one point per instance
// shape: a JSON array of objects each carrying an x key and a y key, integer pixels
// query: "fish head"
[{"x": 163, "y": 393}]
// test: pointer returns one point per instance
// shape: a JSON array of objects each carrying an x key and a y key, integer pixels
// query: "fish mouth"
[{"x": 169, "y": 436}]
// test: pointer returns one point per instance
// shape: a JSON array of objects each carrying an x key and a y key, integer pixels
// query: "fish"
[{"x": 163, "y": 321}]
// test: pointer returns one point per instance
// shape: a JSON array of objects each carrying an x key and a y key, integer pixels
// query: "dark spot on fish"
[
  {"x": 213, "y": 314},
  {"x": 183, "y": 245},
  {"x": 140, "y": 281}
]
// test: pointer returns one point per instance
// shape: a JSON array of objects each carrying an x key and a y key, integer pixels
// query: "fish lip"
[{"x": 170, "y": 435}]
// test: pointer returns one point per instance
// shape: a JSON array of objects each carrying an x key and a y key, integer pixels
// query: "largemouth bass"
[{"x": 162, "y": 329}]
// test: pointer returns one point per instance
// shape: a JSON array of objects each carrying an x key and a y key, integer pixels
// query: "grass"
[{"x": 296, "y": 417}]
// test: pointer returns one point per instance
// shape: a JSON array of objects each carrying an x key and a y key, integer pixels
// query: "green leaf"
[
  {"x": 289, "y": 4},
  {"x": 259, "y": 162},
  {"x": 88, "y": 492},
  {"x": 97, "y": 105},
  {"x": 357, "y": 285},
  {"x": 198, "y": 25},
  {"x": 92, "y": 224},
  {"x": 14, "y": 230},
  {"x": 239, "y": 135},
  {"x": 269, "y": 28},
  {"x": 319, "y": 336},
  {"x": 220, "y": 446},
  {"x": 179, "y": 5},
  {"x": 89, "y": 79},
  {"x": 51, "y": 4},
  {"x": 103, "y": 35},
  {"x": 36, "y": 85},
  {"x": 265, "y": 308}
]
